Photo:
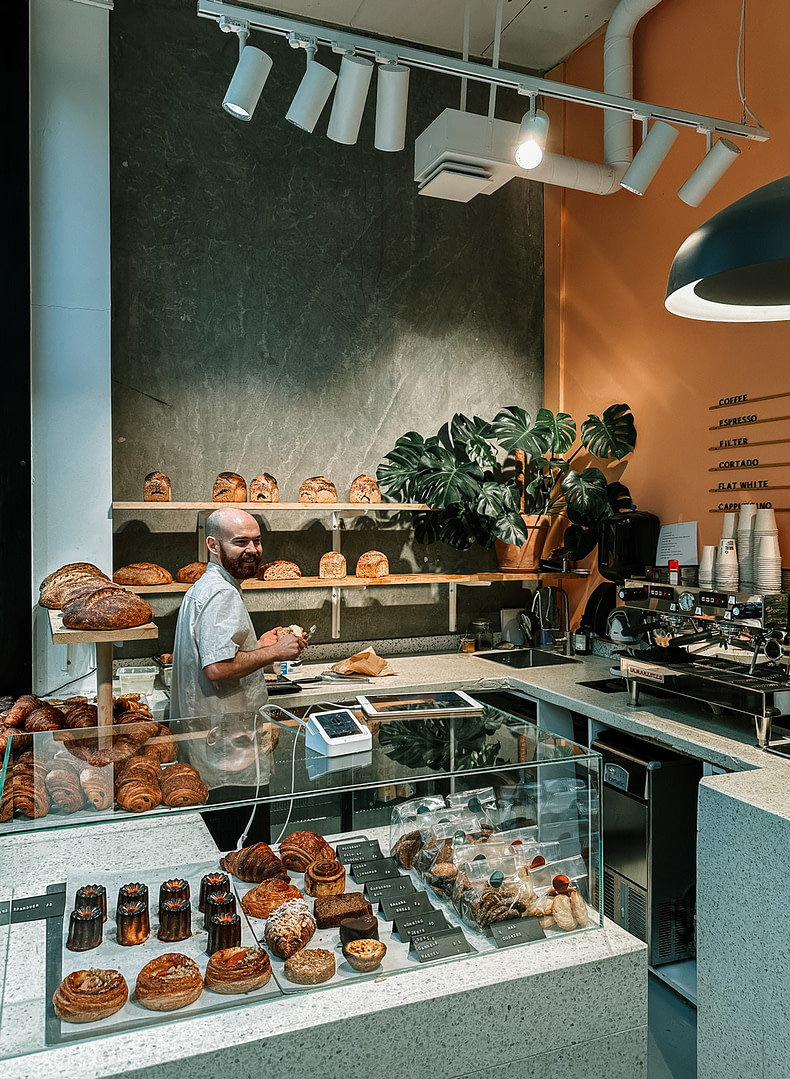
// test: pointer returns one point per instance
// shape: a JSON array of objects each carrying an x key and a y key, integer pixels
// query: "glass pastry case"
[{"x": 431, "y": 838}]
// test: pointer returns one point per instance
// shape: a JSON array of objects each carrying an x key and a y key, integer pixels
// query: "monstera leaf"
[
  {"x": 449, "y": 480},
  {"x": 585, "y": 496},
  {"x": 613, "y": 435},
  {"x": 401, "y": 471},
  {"x": 512, "y": 428},
  {"x": 559, "y": 431},
  {"x": 619, "y": 497}
]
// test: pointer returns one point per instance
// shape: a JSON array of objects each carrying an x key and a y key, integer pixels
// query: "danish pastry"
[
  {"x": 266, "y": 897},
  {"x": 290, "y": 928},
  {"x": 85, "y": 996},
  {"x": 238, "y": 970},
  {"x": 169, "y": 982}
]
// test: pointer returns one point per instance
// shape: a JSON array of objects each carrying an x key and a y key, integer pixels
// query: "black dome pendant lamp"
[{"x": 736, "y": 266}]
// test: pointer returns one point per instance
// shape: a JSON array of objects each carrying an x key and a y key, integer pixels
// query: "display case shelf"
[{"x": 297, "y": 507}]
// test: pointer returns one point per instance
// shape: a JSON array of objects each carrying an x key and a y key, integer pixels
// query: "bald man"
[{"x": 218, "y": 660}]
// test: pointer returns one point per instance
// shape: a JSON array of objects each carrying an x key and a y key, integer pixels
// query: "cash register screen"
[
  {"x": 337, "y": 724},
  {"x": 450, "y": 702}
]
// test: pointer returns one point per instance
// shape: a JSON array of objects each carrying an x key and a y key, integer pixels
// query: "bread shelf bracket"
[
  {"x": 452, "y": 602},
  {"x": 335, "y": 613}
]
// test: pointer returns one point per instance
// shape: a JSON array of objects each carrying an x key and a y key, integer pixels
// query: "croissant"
[
  {"x": 20, "y": 739},
  {"x": 168, "y": 982},
  {"x": 85, "y": 996},
  {"x": 64, "y": 789},
  {"x": 181, "y": 785},
  {"x": 96, "y": 785},
  {"x": 137, "y": 785},
  {"x": 254, "y": 863},
  {"x": 124, "y": 743},
  {"x": 20, "y": 710},
  {"x": 7, "y": 800},
  {"x": 238, "y": 970},
  {"x": 30, "y": 794},
  {"x": 579, "y": 908},
  {"x": 162, "y": 748},
  {"x": 45, "y": 718},
  {"x": 299, "y": 849},
  {"x": 82, "y": 715}
]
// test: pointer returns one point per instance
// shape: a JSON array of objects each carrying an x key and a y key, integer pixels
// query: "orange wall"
[{"x": 608, "y": 336}]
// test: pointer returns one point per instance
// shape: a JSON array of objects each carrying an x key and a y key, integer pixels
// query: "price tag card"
[
  {"x": 377, "y": 869},
  {"x": 398, "y": 906},
  {"x": 417, "y": 925},
  {"x": 516, "y": 932},
  {"x": 375, "y": 889},
  {"x": 442, "y": 945},
  {"x": 358, "y": 850}
]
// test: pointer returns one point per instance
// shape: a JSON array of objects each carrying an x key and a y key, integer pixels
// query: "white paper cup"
[
  {"x": 729, "y": 525},
  {"x": 764, "y": 520}
]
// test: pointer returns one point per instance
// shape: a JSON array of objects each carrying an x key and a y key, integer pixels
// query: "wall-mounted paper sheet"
[{"x": 677, "y": 543}]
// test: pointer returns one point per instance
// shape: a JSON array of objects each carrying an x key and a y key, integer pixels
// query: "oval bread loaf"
[
  {"x": 332, "y": 565},
  {"x": 191, "y": 573},
  {"x": 109, "y": 608},
  {"x": 280, "y": 570},
  {"x": 53, "y": 594},
  {"x": 79, "y": 567},
  {"x": 372, "y": 564},
  {"x": 142, "y": 573}
]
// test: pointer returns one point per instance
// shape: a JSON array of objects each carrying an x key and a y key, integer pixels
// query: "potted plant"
[{"x": 478, "y": 493}]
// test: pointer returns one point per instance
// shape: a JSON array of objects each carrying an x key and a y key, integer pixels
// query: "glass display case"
[{"x": 448, "y": 836}]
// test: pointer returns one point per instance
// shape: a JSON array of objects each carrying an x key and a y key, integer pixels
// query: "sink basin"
[{"x": 524, "y": 657}]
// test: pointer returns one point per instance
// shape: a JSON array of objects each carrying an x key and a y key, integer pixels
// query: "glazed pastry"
[
  {"x": 85, "y": 929},
  {"x": 132, "y": 923},
  {"x": 238, "y": 970},
  {"x": 330, "y": 910},
  {"x": 290, "y": 928},
  {"x": 224, "y": 931},
  {"x": 181, "y": 785},
  {"x": 364, "y": 955},
  {"x": 562, "y": 912},
  {"x": 310, "y": 966},
  {"x": 254, "y": 863},
  {"x": 177, "y": 888},
  {"x": 175, "y": 920},
  {"x": 133, "y": 893},
  {"x": 85, "y": 996},
  {"x": 266, "y": 897},
  {"x": 96, "y": 786},
  {"x": 219, "y": 903},
  {"x": 325, "y": 878},
  {"x": 169, "y": 982},
  {"x": 364, "y": 928},
  {"x": 64, "y": 788},
  {"x": 92, "y": 895},
  {"x": 299, "y": 849},
  {"x": 44, "y": 718},
  {"x": 209, "y": 884}
]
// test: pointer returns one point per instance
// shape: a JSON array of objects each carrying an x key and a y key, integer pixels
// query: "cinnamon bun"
[{"x": 325, "y": 878}]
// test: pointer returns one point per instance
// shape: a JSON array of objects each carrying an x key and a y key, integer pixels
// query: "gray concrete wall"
[{"x": 282, "y": 303}]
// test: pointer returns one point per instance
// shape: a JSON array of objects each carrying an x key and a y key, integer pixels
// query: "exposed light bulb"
[{"x": 532, "y": 139}]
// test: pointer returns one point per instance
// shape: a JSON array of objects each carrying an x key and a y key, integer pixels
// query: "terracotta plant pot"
[{"x": 526, "y": 558}]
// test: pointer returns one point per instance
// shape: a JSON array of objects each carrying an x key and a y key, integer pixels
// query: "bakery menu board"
[
  {"x": 110, "y": 955},
  {"x": 751, "y": 437}
]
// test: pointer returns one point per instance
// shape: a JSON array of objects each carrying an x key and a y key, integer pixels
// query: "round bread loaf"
[
  {"x": 142, "y": 573},
  {"x": 280, "y": 570},
  {"x": 365, "y": 489},
  {"x": 53, "y": 591},
  {"x": 81, "y": 567},
  {"x": 318, "y": 489},
  {"x": 157, "y": 488},
  {"x": 332, "y": 566},
  {"x": 191, "y": 573},
  {"x": 264, "y": 488},
  {"x": 372, "y": 564},
  {"x": 108, "y": 609},
  {"x": 229, "y": 487}
]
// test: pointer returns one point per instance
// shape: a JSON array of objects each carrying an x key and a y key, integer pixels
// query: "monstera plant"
[{"x": 481, "y": 476}]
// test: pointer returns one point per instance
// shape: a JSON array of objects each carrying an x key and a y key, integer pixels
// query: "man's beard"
[{"x": 242, "y": 567}]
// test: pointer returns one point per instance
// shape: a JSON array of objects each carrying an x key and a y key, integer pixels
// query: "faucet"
[{"x": 562, "y": 596}]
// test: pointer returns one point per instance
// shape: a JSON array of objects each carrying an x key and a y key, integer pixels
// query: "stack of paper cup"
[
  {"x": 745, "y": 541},
  {"x": 727, "y": 566},
  {"x": 707, "y": 568},
  {"x": 729, "y": 525},
  {"x": 767, "y": 558}
]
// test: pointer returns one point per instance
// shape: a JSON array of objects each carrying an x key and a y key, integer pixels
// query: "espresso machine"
[{"x": 731, "y": 651}]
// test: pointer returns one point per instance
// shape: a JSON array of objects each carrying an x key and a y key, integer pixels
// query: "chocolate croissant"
[
  {"x": 30, "y": 794},
  {"x": 299, "y": 849},
  {"x": 63, "y": 785},
  {"x": 45, "y": 718},
  {"x": 254, "y": 863},
  {"x": 96, "y": 785},
  {"x": 181, "y": 785}
]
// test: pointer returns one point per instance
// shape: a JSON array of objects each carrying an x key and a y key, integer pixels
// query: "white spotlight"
[
  {"x": 649, "y": 157},
  {"x": 709, "y": 171},
  {"x": 247, "y": 83},
  {"x": 349, "y": 102},
  {"x": 312, "y": 95},
  {"x": 532, "y": 139},
  {"x": 391, "y": 100}
]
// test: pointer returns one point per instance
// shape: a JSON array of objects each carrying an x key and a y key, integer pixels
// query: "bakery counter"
[{"x": 591, "y": 987}]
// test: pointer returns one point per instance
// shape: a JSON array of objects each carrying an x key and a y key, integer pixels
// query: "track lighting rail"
[{"x": 343, "y": 41}]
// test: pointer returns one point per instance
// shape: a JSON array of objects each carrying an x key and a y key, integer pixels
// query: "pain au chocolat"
[{"x": 301, "y": 848}]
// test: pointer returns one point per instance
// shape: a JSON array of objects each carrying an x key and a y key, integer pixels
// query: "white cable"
[
  {"x": 739, "y": 60},
  {"x": 243, "y": 837}
]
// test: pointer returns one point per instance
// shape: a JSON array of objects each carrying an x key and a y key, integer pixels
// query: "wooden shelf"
[
  {"x": 297, "y": 507},
  {"x": 62, "y": 635}
]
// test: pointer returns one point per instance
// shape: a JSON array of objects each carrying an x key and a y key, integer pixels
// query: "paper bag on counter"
[{"x": 364, "y": 662}]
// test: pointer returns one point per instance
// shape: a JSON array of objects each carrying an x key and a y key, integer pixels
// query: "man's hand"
[
  {"x": 269, "y": 650},
  {"x": 269, "y": 638}
]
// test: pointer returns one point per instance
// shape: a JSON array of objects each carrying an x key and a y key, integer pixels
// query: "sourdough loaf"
[
  {"x": 318, "y": 489},
  {"x": 108, "y": 608},
  {"x": 79, "y": 567},
  {"x": 280, "y": 570},
  {"x": 142, "y": 573},
  {"x": 157, "y": 488},
  {"x": 372, "y": 564},
  {"x": 332, "y": 565},
  {"x": 52, "y": 594},
  {"x": 229, "y": 487},
  {"x": 191, "y": 573},
  {"x": 264, "y": 489},
  {"x": 365, "y": 489}
]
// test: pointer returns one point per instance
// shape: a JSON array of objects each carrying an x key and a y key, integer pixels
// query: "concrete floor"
[{"x": 672, "y": 1033}]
